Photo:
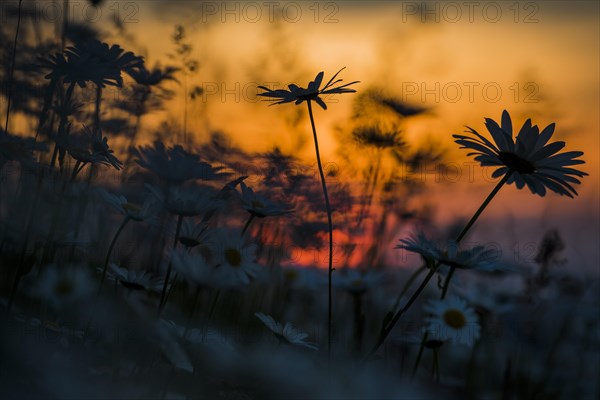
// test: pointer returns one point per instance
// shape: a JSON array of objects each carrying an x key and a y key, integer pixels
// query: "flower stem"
[
  {"x": 166, "y": 284},
  {"x": 408, "y": 284},
  {"x": 23, "y": 254},
  {"x": 108, "y": 253},
  {"x": 458, "y": 239},
  {"x": 189, "y": 321},
  {"x": 63, "y": 123},
  {"x": 12, "y": 69},
  {"x": 472, "y": 221},
  {"x": 435, "y": 372},
  {"x": 97, "y": 110},
  {"x": 420, "y": 354},
  {"x": 388, "y": 328},
  {"x": 248, "y": 223},
  {"x": 330, "y": 228}
]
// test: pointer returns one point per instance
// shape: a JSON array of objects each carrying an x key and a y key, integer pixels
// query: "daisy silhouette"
[
  {"x": 298, "y": 94},
  {"x": 286, "y": 333},
  {"x": 529, "y": 159},
  {"x": 261, "y": 206},
  {"x": 451, "y": 255},
  {"x": 174, "y": 164}
]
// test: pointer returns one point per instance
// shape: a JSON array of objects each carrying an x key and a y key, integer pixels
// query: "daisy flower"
[
  {"x": 311, "y": 92},
  {"x": 452, "y": 320},
  {"x": 74, "y": 67},
  {"x": 261, "y": 206},
  {"x": 476, "y": 258},
  {"x": 63, "y": 286},
  {"x": 130, "y": 210},
  {"x": 303, "y": 278},
  {"x": 187, "y": 201},
  {"x": 113, "y": 58},
  {"x": 92, "y": 147},
  {"x": 175, "y": 165},
  {"x": 192, "y": 234},
  {"x": 287, "y": 333},
  {"x": 356, "y": 281},
  {"x": 195, "y": 269},
  {"x": 135, "y": 280},
  {"x": 529, "y": 158},
  {"x": 233, "y": 257}
]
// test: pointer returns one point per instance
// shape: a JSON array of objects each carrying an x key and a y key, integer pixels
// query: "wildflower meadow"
[{"x": 299, "y": 235}]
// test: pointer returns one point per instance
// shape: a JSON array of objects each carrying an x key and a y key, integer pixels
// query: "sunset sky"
[{"x": 462, "y": 61}]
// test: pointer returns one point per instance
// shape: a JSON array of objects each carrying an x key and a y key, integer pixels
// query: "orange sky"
[{"x": 542, "y": 56}]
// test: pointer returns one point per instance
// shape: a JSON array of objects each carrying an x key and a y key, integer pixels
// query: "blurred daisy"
[
  {"x": 74, "y": 67},
  {"x": 452, "y": 320},
  {"x": 92, "y": 148},
  {"x": 63, "y": 286},
  {"x": 304, "y": 278},
  {"x": 261, "y": 206},
  {"x": 175, "y": 165},
  {"x": 113, "y": 58},
  {"x": 188, "y": 200},
  {"x": 287, "y": 333},
  {"x": 192, "y": 234},
  {"x": 207, "y": 337},
  {"x": 135, "y": 280},
  {"x": 16, "y": 148},
  {"x": 311, "y": 92},
  {"x": 130, "y": 210},
  {"x": 476, "y": 258},
  {"x": 530, "y": 159},
  {"x": 233, "y": 257},
  {"x": 356, "y": 281},
  {"x": 195, "y": 269}
]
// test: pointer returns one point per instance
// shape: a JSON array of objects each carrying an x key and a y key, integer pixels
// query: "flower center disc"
[
  {"x": 131, "y": 285},
  {"x": 188, "y": 241},
  {"x": 233, "y": 256},
  {"x": 132, "y": 208},
  {"x": 257, "y": 204},
  {"x": 516, "y": 163},
  {"x": 454, "y": 319},
  {"x": 63, "y": 287}
]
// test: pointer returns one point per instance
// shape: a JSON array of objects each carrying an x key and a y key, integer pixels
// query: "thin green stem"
[
  {"x": 108, "y": 253},
  {"x": 170, "y": 267},
  {"x": 330, "y": 228}
]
